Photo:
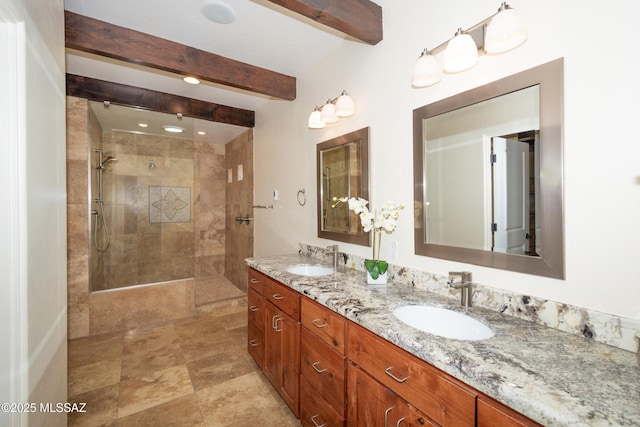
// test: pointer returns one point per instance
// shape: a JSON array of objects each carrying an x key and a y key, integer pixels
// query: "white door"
[{"x": 511, "y": 195}]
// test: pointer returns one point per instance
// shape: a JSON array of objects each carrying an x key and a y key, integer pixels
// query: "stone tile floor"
[{"x": 188, "y": 372}]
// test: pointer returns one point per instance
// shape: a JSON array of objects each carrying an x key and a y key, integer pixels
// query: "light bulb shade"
[
  {"x": 315, "y": 120},
  {"x": 461, "y": 53},
  {"x": 427, "y": 71},
  {"x": 345, "y": 106},
  {"x": 506, "y": 31},
  {"x": 329, "y": 113}
]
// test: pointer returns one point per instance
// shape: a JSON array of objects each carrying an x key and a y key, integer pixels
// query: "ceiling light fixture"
[
  {"x": 332, "y": 111},
  {"x": 218, "y": 12},
  {"x": 191, "y": 80},
  {"x": 143, "y": 125},
  {"x": 173, "y": 129},
  {"x": 499, "y": 33}
]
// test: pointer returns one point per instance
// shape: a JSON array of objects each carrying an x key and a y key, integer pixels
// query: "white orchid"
[{"x": 384, "y": 219}]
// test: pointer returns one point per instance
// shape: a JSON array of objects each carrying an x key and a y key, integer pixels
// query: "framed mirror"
[
  {"x": 342, "y": 171},
  {"x": 488, "y": 178}
]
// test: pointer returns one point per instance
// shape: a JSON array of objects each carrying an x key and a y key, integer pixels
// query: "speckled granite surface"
[{"x": 553, "y": 377}]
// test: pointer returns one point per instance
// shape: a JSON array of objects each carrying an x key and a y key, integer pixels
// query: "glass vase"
[{"x": 376, "y": 268}]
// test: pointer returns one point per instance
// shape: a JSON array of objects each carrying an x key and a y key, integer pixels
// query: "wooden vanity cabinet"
[
  {"x": 333, "y": 372},
  {"x": 445, "y": 400},
  {"x": 282, "y": 342},
  {"x": 322, "y": 366}
]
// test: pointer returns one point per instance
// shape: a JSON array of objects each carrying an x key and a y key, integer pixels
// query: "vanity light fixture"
[
  {"x": 332, "y": 111},
  {"x": 499, "y": 33}
]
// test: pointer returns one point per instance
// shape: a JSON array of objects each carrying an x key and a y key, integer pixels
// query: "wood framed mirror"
[
  {"x": 463, "y": 148},
  {"x": 342, "y": 171}
]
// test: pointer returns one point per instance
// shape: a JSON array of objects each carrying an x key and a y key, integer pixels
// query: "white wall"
[
  {"x": 33, "y": 215},
  {"x": 602, "y": 148}
]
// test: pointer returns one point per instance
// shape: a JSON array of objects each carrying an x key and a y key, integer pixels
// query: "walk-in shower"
[{"x": 101, "y": 237}]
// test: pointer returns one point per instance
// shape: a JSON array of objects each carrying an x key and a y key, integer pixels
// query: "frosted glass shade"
[
  {"x": 315, "y": 120},
  {"x": 329, "y": 113},
  {"x": 345, "y": 106},
  {"x": 506, "y": 31},
  {"x": 461, "y": 53},
  {"x": 427, "y": 71}
]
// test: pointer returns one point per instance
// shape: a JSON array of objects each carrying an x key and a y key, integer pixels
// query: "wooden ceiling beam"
[
  {"x": 101, "y": 90},
  {"x": 361, "y": 19},
  {"x": 101, "y": 38}
]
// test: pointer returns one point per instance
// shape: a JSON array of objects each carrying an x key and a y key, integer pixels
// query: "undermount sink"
[
  {"x": 310, "y": 270},
  {"x": 443, "y": 322}
]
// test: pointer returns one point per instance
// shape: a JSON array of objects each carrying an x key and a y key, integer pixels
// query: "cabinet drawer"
[
  {"x": 327, "y": 325},
  {"x": 284, "y": 298},
  {"x": 257, "y": 281},
  {"x": 442, "y": 398},
  {"x": 324, "y": 368},
  {"x": 314, "y": 410},
  {"x": 495, "y": 414},
  {"x": 255, "y": 303},
  {"x": 255, "y": 344}
]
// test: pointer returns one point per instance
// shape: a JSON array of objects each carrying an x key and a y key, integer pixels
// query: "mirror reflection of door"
[{"x": 513, "y": 166}]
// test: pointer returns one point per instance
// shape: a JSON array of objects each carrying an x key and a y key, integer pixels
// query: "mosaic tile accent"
[{"x": 169, "y": 204}]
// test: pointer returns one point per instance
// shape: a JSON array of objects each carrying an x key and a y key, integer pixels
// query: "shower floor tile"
[
  {"x": 215, "y": 289},
  {"x": 193, "y": 371}
]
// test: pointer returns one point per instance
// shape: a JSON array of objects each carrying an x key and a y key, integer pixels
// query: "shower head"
[{"x": 106, "y": 161}]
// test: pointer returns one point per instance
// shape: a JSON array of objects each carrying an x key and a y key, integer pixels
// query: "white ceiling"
[{"x": 263, "y": 34}]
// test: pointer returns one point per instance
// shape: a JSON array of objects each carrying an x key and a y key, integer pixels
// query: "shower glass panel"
[{"x": 142, "y": 197}]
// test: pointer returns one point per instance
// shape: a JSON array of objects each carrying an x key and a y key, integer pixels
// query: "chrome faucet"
[
  {"x": 465, "y": 286},
  {"x": 335, "y": 251}
]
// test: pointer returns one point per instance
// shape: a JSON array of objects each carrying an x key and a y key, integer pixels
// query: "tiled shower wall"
[
  {"x": 239, "y": 158},
  {"x": 142, "y": 251},
  {"x": 100, "y": 312}
]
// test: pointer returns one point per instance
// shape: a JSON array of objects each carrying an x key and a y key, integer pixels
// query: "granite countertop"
[{"x": 553, "y": 377}]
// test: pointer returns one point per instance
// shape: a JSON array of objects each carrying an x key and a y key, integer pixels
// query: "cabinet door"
[
  {"x": 370, "y": 404},
  {"x": 290, "y": 388},
  {"x": 272, "y": 345},
  {"x": 282, "y": 354}
]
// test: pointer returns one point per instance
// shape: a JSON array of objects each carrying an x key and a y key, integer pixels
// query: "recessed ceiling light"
[
  {"x": 218, "y": 12},
  {"x": 201, "y": 132},
  {"x": 191, "y": 80},
  {"x": 143, "y": 125},
  {"x": 173, "y": 129}
]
